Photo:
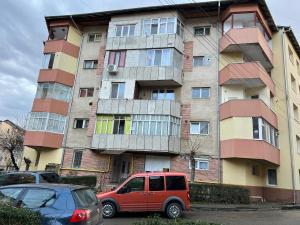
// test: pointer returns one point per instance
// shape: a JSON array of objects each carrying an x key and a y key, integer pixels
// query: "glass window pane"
[
  {"x": 194, "y": 128},
  {"x": 175, "y": 183},
  {"x": 171, "y": 27},
  {"x": 243, "y": 20},
  {"x": 162, "y": 28},
  {"x": 119, "y": 31},
  {"x": 36, "y": 198},
  {"x": 125, "y": 30},
  {"x": 114, "y": 90},
  {"x": 205, "y": 92},
  {"x": 198, "y": 61},
  {"x": 204, "y": 127},
  {"x": 135, "y": 184},
  {"x": 154, "y": 28},
  {"x": 156, "y": 183},
  {"x": 196, "y": 92},
  {"x": 170, "y": 95},
  {"x": 150, "y": 57},
  {"x": 121, "y": 90},
  {"x": 131, "y": 30},
  {"x": 166, "y": 58},
  {"x": 227, "y": 25},
  {"x": 157, "y": 59}
]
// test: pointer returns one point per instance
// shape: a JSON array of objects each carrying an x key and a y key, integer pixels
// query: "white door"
[{"x": 157, "y": 163}]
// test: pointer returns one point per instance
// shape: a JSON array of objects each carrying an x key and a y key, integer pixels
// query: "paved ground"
[{"x": 260, "y": 217}]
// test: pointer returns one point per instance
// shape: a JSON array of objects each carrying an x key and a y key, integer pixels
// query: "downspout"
[
  {"x": 72, "y": 94},
  {"x": 218, "y": 95},
  {"x": 286, "y": 85}
]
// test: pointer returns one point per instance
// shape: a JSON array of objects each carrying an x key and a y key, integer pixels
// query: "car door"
[
  {"x": 132, "y": 196},
  {"x": 42, "y": 200},
  {"x": 157, "y": 194}
]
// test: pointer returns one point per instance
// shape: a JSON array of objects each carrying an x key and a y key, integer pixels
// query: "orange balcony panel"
[
  {"x": 50, "y": 105},
  {"x": 250, "y": 149},
  {"x": 40, "y": 139},
  {"x": 247, "y": 108},
  {"x": 250, "y": 74},
  {"x": 52, "y": 46},
  {"x": 251, "y": 42},
  {"x": 57, "y": 76}
]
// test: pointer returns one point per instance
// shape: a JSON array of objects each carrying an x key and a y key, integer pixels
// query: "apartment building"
[{"x": 143, "y": 89}]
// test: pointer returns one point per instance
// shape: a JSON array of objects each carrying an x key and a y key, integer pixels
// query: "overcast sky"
[{"x": 23, "y": 30}]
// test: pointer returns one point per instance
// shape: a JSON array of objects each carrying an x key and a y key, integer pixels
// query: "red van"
[{"x": 152, "y": 192}]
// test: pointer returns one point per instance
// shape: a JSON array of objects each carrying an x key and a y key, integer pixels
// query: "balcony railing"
[{"x": 64, "y": 46}]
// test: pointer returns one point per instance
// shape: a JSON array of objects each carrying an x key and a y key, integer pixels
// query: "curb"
[
  {"x": 235, "y": 209},
  {"x": 290, "y": 207}
]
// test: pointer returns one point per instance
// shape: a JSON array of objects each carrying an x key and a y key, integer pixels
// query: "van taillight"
[{"x": 80, "y": 215}]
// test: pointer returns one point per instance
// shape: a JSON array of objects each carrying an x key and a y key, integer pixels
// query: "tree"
[{"x": 11, "y": 142}]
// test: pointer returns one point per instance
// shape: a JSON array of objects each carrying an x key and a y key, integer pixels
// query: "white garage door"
[{"x": 157, "y": 163}]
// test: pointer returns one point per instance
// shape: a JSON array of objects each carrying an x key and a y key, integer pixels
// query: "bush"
[
  {"x": 159, "y": 221},
  {"x": 89, "y": 181},
  {"x": 14, "y": 216},
  {"x": 218, "y": 193}
]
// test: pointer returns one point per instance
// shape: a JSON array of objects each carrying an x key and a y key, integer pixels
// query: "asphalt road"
[{"x": 262, "y": 217}]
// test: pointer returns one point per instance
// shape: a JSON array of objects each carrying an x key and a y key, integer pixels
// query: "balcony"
[
  {"x": 144, "y": 42},
  {"x": 57, "y": 76},
  {"x": 249, "y": 75},
  {"x": 61, "y": 46},
  {"x": 43, "y": 140},
  {"x": 50, "y": 105},
  {"x": 251, "y": 42},
  {"x": 247, "y": 108},
  {"x": 133, "y": 106},
  {"x": 250, "y": 149},
  {"x": 148, "y": 76},
  {"x": 112, "y": 143}
]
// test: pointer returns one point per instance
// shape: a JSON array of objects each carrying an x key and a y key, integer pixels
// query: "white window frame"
[
  {"x": 97, "y": 37},
  {"x": 123, "y": 34},
  {"x": 269, "y": 131},
  {"x": 85, "y": 123},
  {"x": 93, "y": 64},
  {"x": 197, "y": 164},
  {"x": 151, "y": 55},
  {"x": 118, "y": 90},
  {"x": 199, "y": 122},
  {"x": 206, "y": 61},
  {"x": 268, "y": 183},
  {"x": 160, "y": 21},
  {"x": 200, "y": 94},
  {"x": 204, "y": 30},
  {"x": 165, "y": 92},
  {"x": 47, "y": 59}
]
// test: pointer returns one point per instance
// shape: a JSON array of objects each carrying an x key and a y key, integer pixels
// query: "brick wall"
[
  {"x": 188, "y": 56},
  {"x": 185, "y": 121},
  {"x": 181, "y": 164},
  {"x": 138, "y": 163}
]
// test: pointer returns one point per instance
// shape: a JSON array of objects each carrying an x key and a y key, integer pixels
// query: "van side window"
[
  {"x": 175, "y": 183},
  {"x": 156, "y": 183},
  {"x": 135, "y": 184}
]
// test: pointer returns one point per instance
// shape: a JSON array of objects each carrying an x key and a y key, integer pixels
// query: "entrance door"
[{"x": 121, "y": 168}]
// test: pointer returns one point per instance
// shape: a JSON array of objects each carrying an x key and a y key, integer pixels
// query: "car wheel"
[
  {"x": 108, "y": 210},
  {"x": 174, "y": 210}
]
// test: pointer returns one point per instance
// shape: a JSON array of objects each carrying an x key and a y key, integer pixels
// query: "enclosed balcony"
[
  {"x": 249, "y": 75},
  {"x": 52, "y": 46},
  {"x": 57, "y": 76},
  {"x": 43, "y": 140},
  {"x": 250, "y": 149},
  {"x": 136, "y": 106}
]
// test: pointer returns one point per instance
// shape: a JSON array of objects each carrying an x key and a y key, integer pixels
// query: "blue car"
[{"x": 58, "y": 204}]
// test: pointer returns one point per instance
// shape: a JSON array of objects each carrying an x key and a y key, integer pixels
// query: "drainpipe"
[
  {"x": 218, "y": 96},
  {"x": 286, "y": 85},
  {"x": 72, "y": 94}
]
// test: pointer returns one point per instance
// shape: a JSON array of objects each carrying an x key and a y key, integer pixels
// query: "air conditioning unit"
[{"x": 112, "y": 69}]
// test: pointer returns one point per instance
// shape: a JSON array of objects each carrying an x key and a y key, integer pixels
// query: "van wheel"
[
  {"x": 174, "y": 210},
  {"x": 108, "y": 210}
]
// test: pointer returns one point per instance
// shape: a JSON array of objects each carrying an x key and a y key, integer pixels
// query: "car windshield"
[{"x": 84, "y": 198}]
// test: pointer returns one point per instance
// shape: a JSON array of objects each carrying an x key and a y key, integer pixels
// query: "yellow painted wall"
[
  {"x": 236, "y": 127},
  {"x": 74, "y": 36},
  {"x": 65, "y": 62},
  {"x": 232, "y": 57}
]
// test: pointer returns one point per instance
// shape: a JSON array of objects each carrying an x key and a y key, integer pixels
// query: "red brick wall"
[
  {"x": 138, "y": 163},
  {"x": 188, "y": 57},
  {"x": 181, "y": 164},
  {"x": 185, "y": 121}
]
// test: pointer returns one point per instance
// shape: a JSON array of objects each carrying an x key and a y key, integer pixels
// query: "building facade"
[{"x": 144, "y": 89}]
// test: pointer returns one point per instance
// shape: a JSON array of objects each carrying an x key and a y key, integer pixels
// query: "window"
[
  {"x": 227, "y": 25},
  {"x": 296, "y": 112},
  {"x": 117, "y": 58},
  {"x": 202, "y": 31},
  {"x": 291, "y": 55},
  {"x": 199, "y": 128},
  {"x": 37, "y": 198},
  {"x": 58, "y": 33},
  {"x": 54, "y": 91},
  {"x": 163, "y": 95},
  {"x": 160, "y": 26},
  {"x": 135, "y": 184},
  {"x": 199, "y": 61},
  {"x": 158, "y": 57},
  {"x": 9, "y": 195},
  {"x": 118, "y": 90},
  {"x": 255, "y": 170},
  {"x": 86, "y": 92},
  {"x": 293, "y": 82},
  {"x": 156, "y": 183},
  {"x": 200, "y": 164},
  {"x": 198, "y": 93},
  {"x": 262, "y": 130},
  {"x": 85, "y": 198},
  {"x": 43, "y": 121},
  {"x": 90, "y": 64},
  {"x": 48, "y": 60},
  {"x": 81, "y": 123},
  {"x": 272, "y": 177},
  {"x": 174, "y": 183},
  {"x": 159, "y": 125},
  {"x": 125, "y": 30},
  {"x": 77, "y": 156},
  {"x": 119, "y": 125},
  {"x": 95, "y": 37}
]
